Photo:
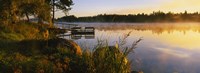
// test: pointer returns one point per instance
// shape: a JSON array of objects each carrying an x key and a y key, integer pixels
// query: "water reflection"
[
  {"x": 166, "y": 47},
  {"x": 157, "y": 28},
  {"x": 80, "y": 36}
]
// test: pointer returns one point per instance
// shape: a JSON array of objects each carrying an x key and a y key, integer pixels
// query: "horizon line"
[{"x": 133, "y": 13}]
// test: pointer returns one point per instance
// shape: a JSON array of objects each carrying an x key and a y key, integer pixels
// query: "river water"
[{"x": 165, "y": 47}]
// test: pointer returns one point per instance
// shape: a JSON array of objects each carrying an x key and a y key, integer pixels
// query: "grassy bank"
[
  {"x": 22, "y": 31},
  {"x": 24, "y": 48}
]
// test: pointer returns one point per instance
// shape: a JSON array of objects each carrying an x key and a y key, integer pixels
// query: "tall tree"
[
  {"x": 27, "y": 8},
  {"x": 63, "y": 5}
]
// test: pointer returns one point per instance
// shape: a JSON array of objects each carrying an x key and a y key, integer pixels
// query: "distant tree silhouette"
[{"x": 141, "y": 17}]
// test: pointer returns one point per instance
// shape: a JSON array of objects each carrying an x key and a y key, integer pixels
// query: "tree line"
[
  {"x": 141, "y": 17},
  {"x": 12, "y": 11}
]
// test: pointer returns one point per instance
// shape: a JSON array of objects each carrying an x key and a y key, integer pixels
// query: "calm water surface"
[{"x": 165, "y": 48}]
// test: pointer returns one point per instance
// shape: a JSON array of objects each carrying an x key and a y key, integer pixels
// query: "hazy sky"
[{"x": 95, "y": 7}]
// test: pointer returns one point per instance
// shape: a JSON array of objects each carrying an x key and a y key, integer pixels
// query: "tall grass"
[{"x": 109, "y": 59}]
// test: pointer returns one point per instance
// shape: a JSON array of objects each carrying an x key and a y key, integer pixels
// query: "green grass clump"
[
  {"x": 22, "y": 31},
  {"x": 108, "y": 59}
]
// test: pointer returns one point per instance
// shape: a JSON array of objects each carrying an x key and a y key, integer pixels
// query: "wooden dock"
[
  {"x": 83, "y": 30},
  {"x": 74, "y": 30},
  {"x": 58, "y": 30},
  {"x": 85, "y": 36}
]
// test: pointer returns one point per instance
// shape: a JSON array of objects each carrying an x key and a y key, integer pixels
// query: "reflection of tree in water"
[{"x": 154, "y": 28}]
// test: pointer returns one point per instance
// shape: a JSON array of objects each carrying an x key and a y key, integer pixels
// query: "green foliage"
[
  {"x": 12, "y": 10},
  {"x": 62, "y": 4},
  {"x": 11, "y": 36},
  {"x": 23, "y": 48},
  {"x": 110, "y": 60},
  {"x": 22, "y": 30}
]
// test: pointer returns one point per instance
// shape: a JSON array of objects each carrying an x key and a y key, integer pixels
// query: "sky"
[{"x": 95, "y": 7}]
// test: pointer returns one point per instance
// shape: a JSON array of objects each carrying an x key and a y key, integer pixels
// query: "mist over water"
[{"x": 165, "y": 48}]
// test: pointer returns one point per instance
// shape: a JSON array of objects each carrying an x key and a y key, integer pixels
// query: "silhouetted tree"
[
  {"x": 63, "y": 5},
  {"x": 141, "y": 17}
]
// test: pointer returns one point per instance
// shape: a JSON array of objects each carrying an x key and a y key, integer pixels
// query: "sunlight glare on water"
[{"x": 165, "y": 48}]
